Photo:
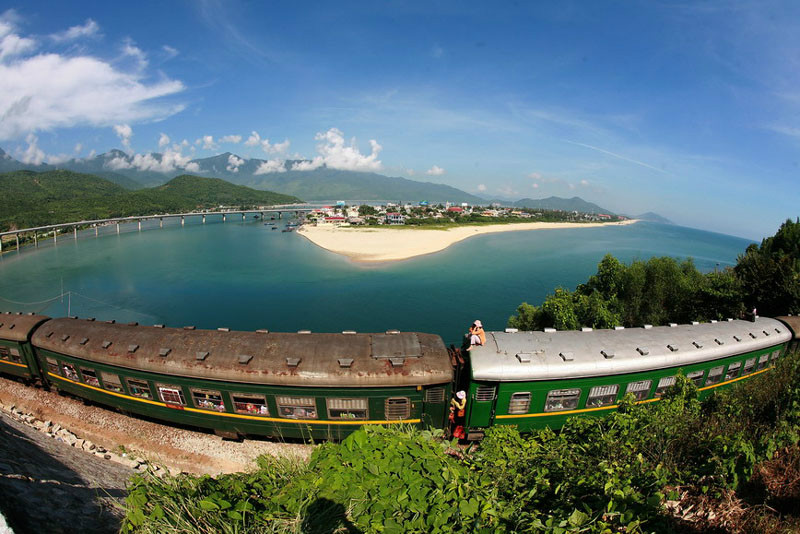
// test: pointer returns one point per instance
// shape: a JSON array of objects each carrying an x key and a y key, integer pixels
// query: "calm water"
[{"x": 246, "y": 276}]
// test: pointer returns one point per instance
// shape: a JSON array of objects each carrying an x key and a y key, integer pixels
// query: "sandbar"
[{"x": 381, "y": 244}]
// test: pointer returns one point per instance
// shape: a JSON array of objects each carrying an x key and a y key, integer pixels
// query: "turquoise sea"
[{"x": 245, "y": 276}]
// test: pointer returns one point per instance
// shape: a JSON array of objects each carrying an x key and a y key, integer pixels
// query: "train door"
[{"x": 480, "y": 406}]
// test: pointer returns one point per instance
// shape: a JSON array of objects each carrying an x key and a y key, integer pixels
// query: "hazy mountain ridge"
[
  {"x": 563, "y": 204},
  {"x": 653, "y": 217}
]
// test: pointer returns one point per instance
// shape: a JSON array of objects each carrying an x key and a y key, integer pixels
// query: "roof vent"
[
  {"x": 223, "y": 329},
  {"x": 293, "y": 362},
  {"x": 188, "y": 327},
  {"x": 752, "y": 335},
  {"x": 567, "y": 356},
  {"x": 111, "y": 321},
  {"x": 304, "y": 331},
  {"x": 695, "y": 323},
  {"x": 714, "y": 321},
  {"x": 644, "y": 351},
  {"x": 673, "y": 325},
  {"x": 524, "y": 357},
  {"x": 777, "y": 331},
  {"x": 262, "y": 331},
  {"x": 106, "y": 344},
  {"x": 163, "y": 351},
  {"x": 11, "y": 326},
  {"x": 607, "y": 354},
  {"x": 718, "y": 341},
  {"x": 90, "y": 319},
  {"x": 729, "y": 320},
  {"x": 84, "y": 341},
  {"x": 133, "y": 348},
  {"x": 765, "y": 332},
  {"x": 648, "y": 326},
  {"x": 393, "y": 332},
  {"x": 549, "y": 330},
  {"x": 49, "y": 334},
  {"x": 71, "y": 316},
  {"x": 158, "y": 326},
  {"x": 673, "y": 348},
  {"x": 63, "y": 338},
  {"x": 345, "y": 363},
  {"x": 586, "y": 329},
  {"x": 737, "y": 338},
  {"x": 244, "y": 359},
  {"x": 697, "y": 344},
  {"x": 349, "y": 332},
  {"x": 619, "y": 328},
  {"x": 397, "y": 362},
  {"x": 1, "y": 325},
  {"x": 201, "y": 355},
  {"x": 134, "y": 323},
  {"x": 512, "y": 330}
]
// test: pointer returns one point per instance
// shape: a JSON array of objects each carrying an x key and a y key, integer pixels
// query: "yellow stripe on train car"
[{"x": 234, "y": 415}]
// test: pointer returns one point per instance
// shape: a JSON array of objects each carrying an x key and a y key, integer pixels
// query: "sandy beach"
[{"x": 371, "y": 244}]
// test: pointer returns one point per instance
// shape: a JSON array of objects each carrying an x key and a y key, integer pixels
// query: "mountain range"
[{"x": 322, "y": 183}]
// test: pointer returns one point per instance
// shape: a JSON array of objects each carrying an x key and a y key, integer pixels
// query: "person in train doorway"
[
  {"x": 476, "y": 334},
  {"x": 458, "y": 407}
]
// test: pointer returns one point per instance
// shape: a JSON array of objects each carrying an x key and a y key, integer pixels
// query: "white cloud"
[
  {"x": 411, "y": 172},
  {"x": 269, "y": 166},
  {"x": 129, "y": 49},
  {"x": 124, "y": 132},
  {"x": 207, "y": 142},
  {"x": 336, "y": 154},
  {"x": 89, "y": 29},
  {"x": 78, "y": 148},
  {"x": 91, "y": 154},
  {"x": 57, "y": 159},
  {"x": 266, "y": 146},
  {"x": 435, "y": 171},
  {"x": 171, "y": 160},
  {"x": 481, "y": 187},
  {"x": 235, "y": 139},
  {"x": 163, "y": 140},
  {"x": 50, "y": 90},
  {"x": 33, "y": 155},
  {"x": 170, "y": 51},
  {"x": 535, "y": 186},
  {"x": 584, "y": 182},
  {"x": 234, "y": 163}
]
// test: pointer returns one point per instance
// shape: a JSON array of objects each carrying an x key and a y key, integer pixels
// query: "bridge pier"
[
  {"x": 140, "y": 225},
  {"x": 117, "y": 227},
  {"x": 55, "y": 236},
  {"x": 204, "y": 218},
  {"x": 75, "y": 232},
  {"x": 17, "y": 237},
  {"x": 280, "y": 215},
  {"x": 224, "y": 217},
  {"x": 35, "y": 240},
  {"x": 161, "y": 222},
  {"x": 95, "y": 230},
  {"x": 183, "y": 221},
  {"x": 243, "y": 216}
]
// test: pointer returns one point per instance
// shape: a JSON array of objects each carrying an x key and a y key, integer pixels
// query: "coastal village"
[{"x": 400, "y": 214}]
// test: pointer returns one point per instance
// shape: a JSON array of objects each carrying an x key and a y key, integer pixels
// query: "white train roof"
[{"x": 550, "y": 355}]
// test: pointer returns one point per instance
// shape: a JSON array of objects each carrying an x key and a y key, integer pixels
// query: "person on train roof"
[{"x": 476, "y": 334}]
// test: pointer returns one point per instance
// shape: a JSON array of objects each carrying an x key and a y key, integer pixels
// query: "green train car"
[
  {"x": 538, "y": 379},
  {"x": 323, "y": 386}
]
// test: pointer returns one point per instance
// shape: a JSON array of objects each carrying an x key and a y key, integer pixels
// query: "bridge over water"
[{"x": 296, "y": 209}]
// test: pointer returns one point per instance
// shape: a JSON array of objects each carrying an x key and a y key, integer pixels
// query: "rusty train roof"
[
  {"x": 276, "y": 358},
  {"x": 18, "y": 326},
  {"x": 793, "y": 322}
]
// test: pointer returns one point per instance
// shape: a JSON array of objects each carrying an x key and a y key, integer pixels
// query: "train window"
[
  {"x": 640, "y": 390},
  {"x": 171, "y": 394},
  {"x": 52, "y": 366},
  {"x": 696, "y": 377},
  {"x": 763, "y": 361},
  {"x": 4, "y": 352},
  {"x": 484, "y": 393},
  {"x": 434, "y": 395},
  {"x": 602, "y": 396},
  {"x": 139, "y": 388},
  {"x": 347, "y": 408},
  {"x": 519, "y": 403},
  {"x": 748, "y": 366},
  {"x": 714, "y": 375},
  {"x": 664, "y": 384},
  {"x": 14, "y": 356},
  {"x": 90, "y": 377},
  {"x": 250, "y": 404},
  {"x": 562, "y": 399},
  {"x": 111, "y": 381},
  {"x": 397, "y": 408},
  {"x": 206, "y": 399},
  {"x": 297, "y": 407},
  {"x": 733, "y": 371},
  {"x": 68, "y": 371}
]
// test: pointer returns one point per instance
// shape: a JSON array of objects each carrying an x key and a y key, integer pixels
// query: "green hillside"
[{"x": 51, "y": 197}]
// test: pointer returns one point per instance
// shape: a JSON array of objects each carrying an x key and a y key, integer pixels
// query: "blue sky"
[{"x": 690, "y": 109}]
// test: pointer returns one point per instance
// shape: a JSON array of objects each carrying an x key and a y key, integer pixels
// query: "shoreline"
[{"x": 374, "y": 245}]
